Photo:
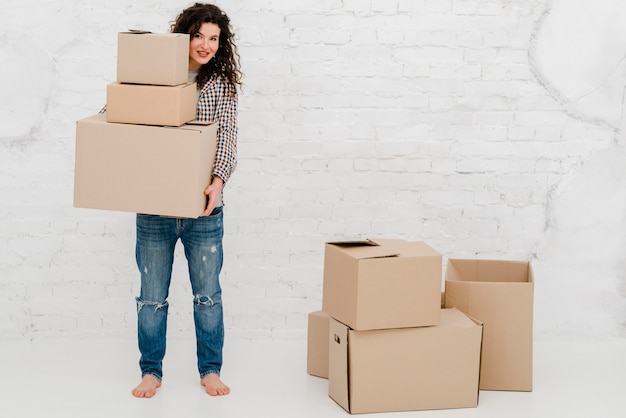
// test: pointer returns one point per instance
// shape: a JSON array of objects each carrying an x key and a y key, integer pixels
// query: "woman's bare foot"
[
  {"x": 147, "y": 388},
  {"x": 214, "y": 385}
]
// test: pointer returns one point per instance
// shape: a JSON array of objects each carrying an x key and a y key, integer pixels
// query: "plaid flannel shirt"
[{"x": 217, "y": 103}]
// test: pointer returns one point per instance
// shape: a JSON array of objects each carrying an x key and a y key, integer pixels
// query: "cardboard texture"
[
  {"x": 143, "y": 169},
  {"x": 151, "y": 105},
  {"x": 500, "y": 295},
  {"x": 152, "y": 58},
  {"x": 317, "y": 344},
  {"x": 382, "y": 283},
  {"x": 406, "y": 369}
]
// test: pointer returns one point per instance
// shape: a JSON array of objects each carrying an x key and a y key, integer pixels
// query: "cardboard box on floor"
[
  {"x": 152, "y": 58},
  {"x": 500, "y": 295},
  {"x": 382, "y": 283},
  {"x": 406, "y": 369},
  {"x": 151, "y": 105},
  {"x": 317, "y": 344},
  {"x": 144, "y": 169}
]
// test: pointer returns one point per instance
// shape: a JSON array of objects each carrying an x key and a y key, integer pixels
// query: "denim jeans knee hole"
[
  {"x": 203, "y": 300},
  {"x": 157, "y": 305}
]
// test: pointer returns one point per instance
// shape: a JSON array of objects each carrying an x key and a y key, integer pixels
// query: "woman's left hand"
[{"x": 213, "y": 191}]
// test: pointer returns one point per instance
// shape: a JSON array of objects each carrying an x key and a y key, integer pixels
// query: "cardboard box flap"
[
  {"x": 455, "y": 318},
  {"x": 137, "y": 31},
  {"x": 199, "y": 122},
  {"x": 158, "y": 34},
  {"x": 489, "y": 271},
  {"x": 408, "y": 248},
  {"x": 363, "y": 249},
  {"x": 356, "y": 242},
  {"x": 195, "y": 126},
  {"x": 101, "y": 118}
]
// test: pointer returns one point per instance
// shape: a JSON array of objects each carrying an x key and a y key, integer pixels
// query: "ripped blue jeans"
[{"x": 202, "y": 241}]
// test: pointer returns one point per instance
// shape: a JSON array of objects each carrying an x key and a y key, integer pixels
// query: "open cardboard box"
[
  {"x": 498, "y": 293},
  {"x": 382, "y": 283},
  {"x": 406, "y": 369}
]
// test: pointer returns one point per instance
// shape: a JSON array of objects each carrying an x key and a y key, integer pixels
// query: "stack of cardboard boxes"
[
  {"x": 387, "y": 340},
  {"x": 144, "y": 154}
]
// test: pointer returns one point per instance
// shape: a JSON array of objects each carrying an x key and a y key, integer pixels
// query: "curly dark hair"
[{"x": 226, "y": 60}]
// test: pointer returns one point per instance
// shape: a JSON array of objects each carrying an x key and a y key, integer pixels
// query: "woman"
[{"x": 214, "y": 65}]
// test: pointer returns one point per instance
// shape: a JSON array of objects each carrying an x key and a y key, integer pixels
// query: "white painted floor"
[{"x": 93, "y": 378}]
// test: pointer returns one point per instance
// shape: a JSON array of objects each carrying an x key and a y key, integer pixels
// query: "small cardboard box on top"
[
  {"x": 499, "y": 294},
  {"x": 406, "y": 369},
  {"x": 151, "y": 105},
  {"x": 317, "y": 344},
  {"x": 143, "y": 169},
  {"x": 152, "y": 58},
  {"x": 382, "y": 283}
]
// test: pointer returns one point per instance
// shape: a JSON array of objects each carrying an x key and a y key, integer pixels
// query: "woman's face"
[{"x": 203, "y": 45}]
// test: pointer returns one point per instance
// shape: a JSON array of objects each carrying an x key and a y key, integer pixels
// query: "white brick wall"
[{"x": 423, "y": 120}]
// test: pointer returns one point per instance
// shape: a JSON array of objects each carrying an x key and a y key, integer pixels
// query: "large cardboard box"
[
  {"x": 317, "y": 344},
  {"x": 406, "y": 369},
  {"x": 140, "y": 168},
  {"x": 382, "y": 283},
  {"x": 151, "y": 105},
  {"x": 499, "y": 294},
  {"x": 152, "y": 58}
]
